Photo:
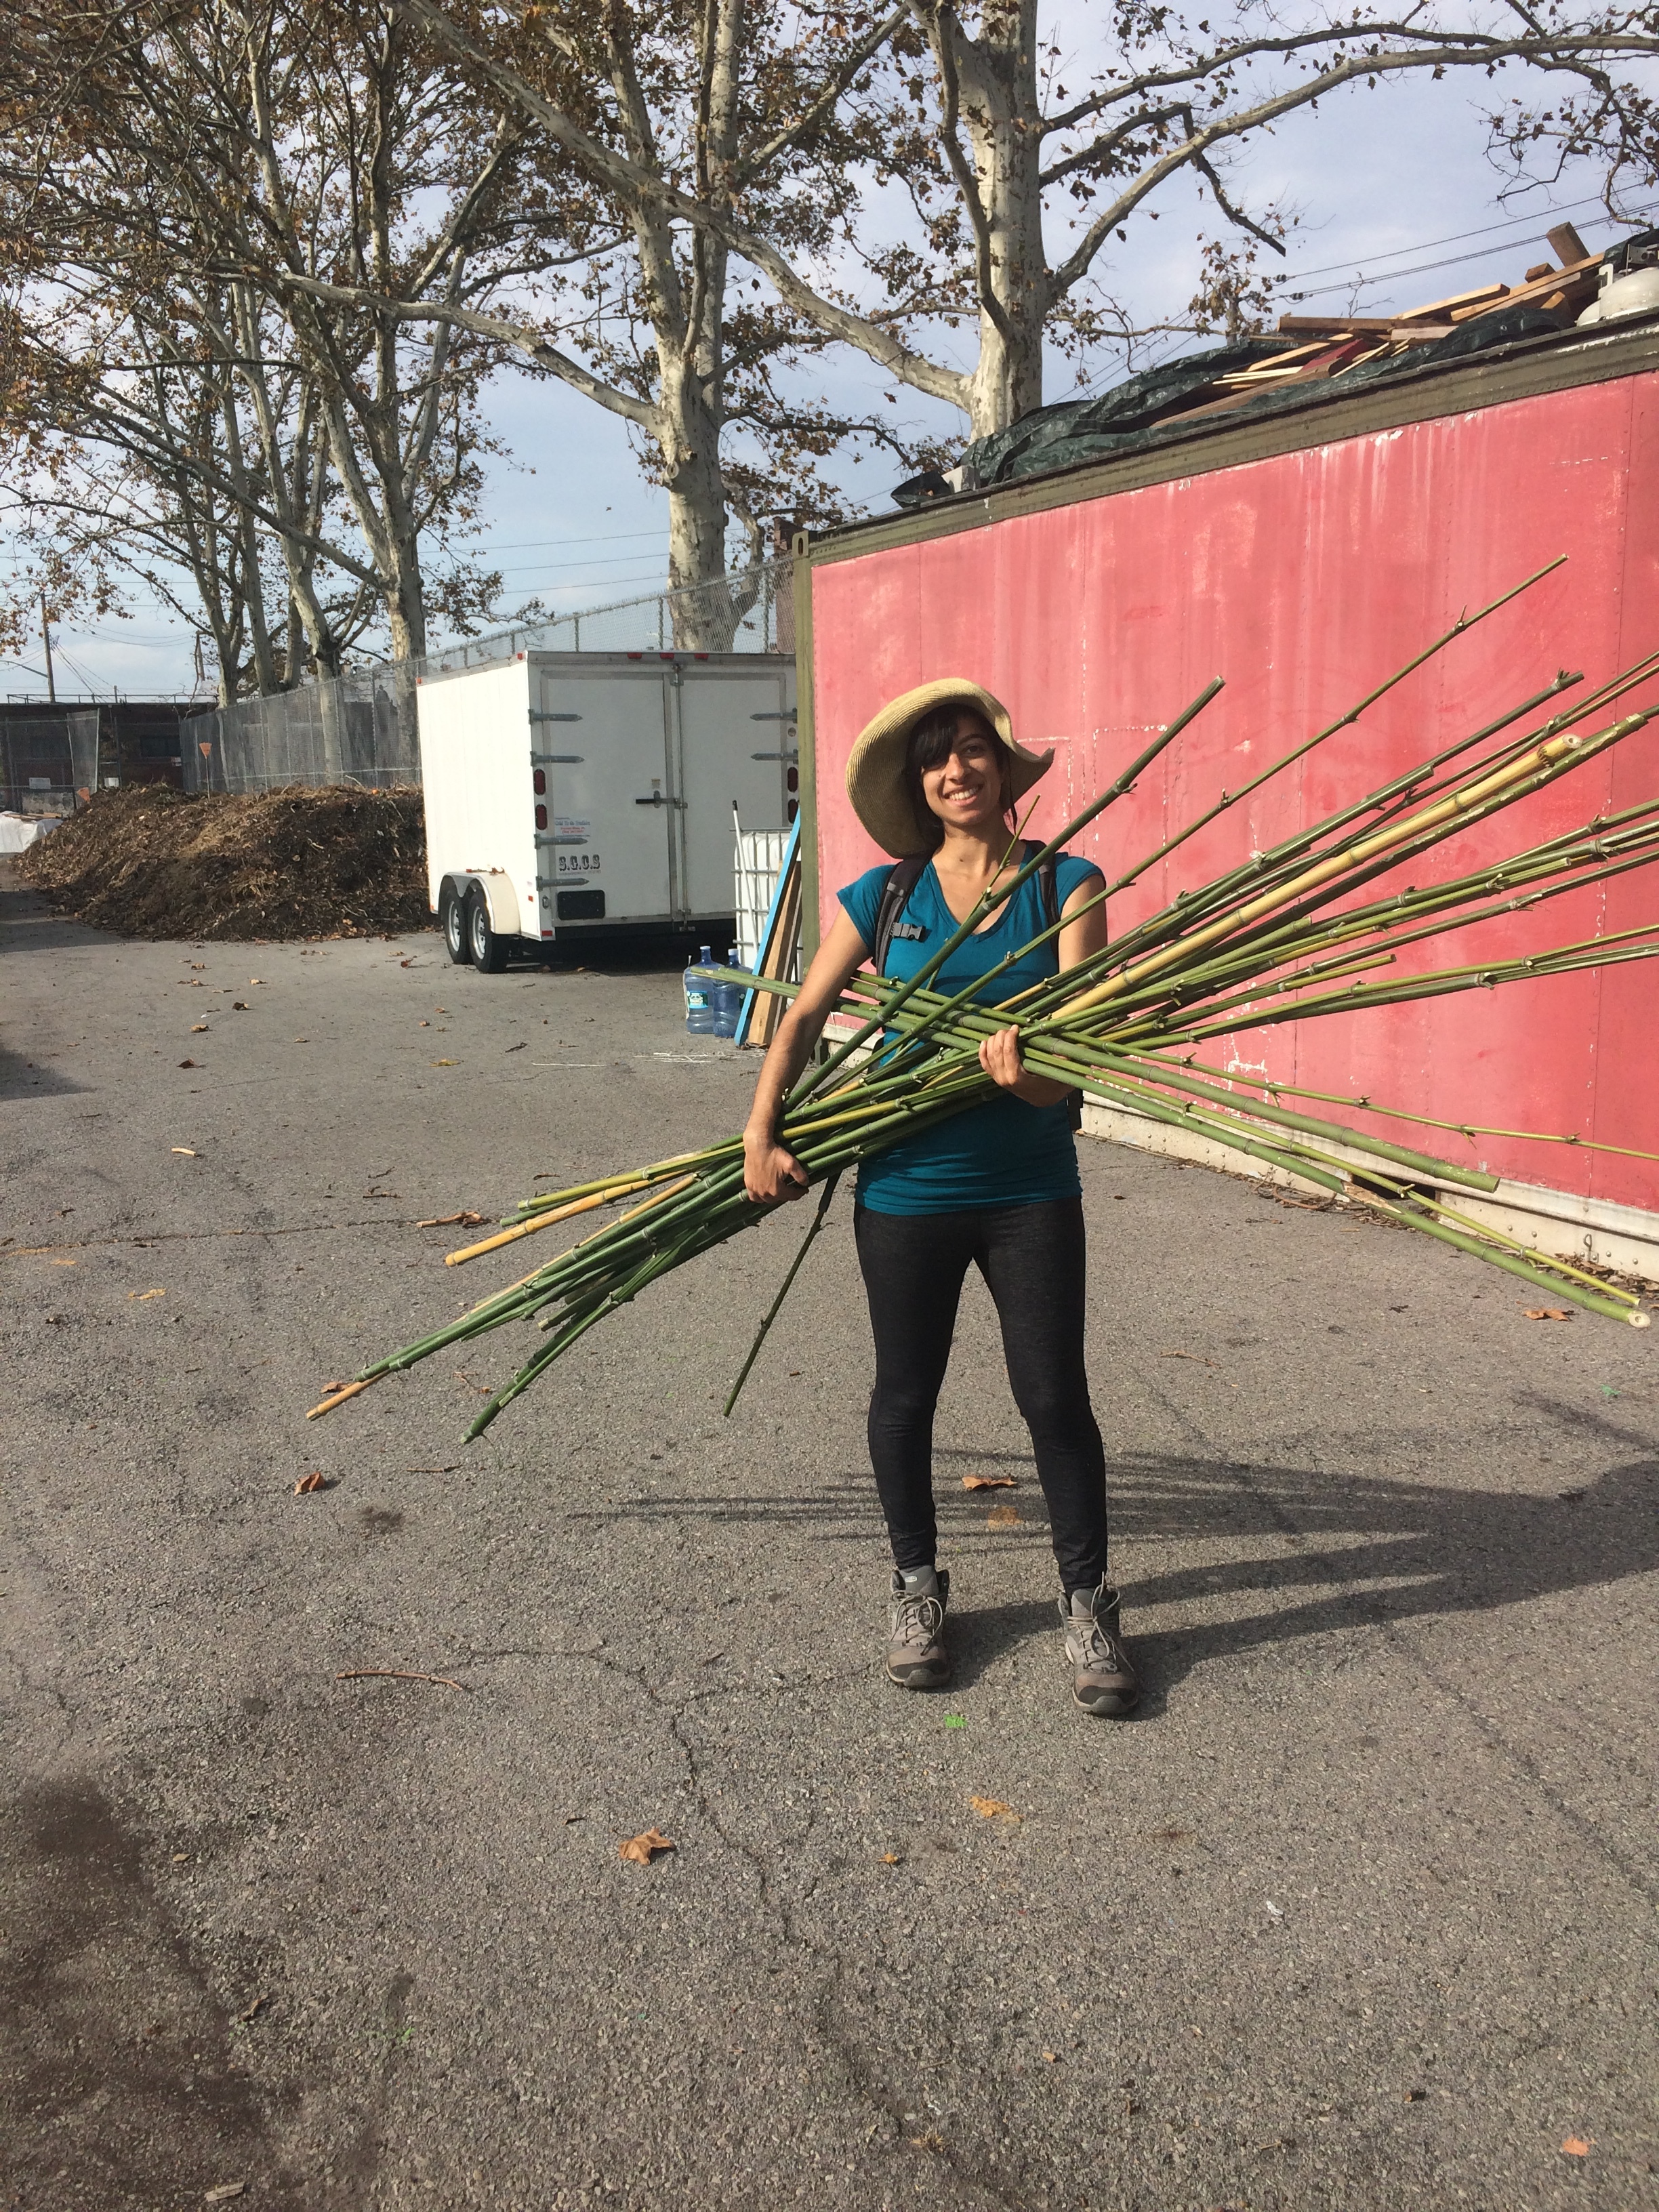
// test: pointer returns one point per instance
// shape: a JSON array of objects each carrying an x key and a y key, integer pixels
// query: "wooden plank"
[
  {"x": 1526, "y": 295},
  {"x": 1333, "y": 326},
  {"x": 1567, "y": 245},
  {"x": 1441, "y": 309},
  {"x": 778, "y": 957},
  {"x": 805, "y": 747}
]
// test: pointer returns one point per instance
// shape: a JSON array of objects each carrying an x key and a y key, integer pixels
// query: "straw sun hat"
[{"x": 875, "y": 770}]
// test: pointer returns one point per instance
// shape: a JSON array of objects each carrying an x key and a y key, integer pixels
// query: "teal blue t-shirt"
[{"x": 1005, "y": 1152}]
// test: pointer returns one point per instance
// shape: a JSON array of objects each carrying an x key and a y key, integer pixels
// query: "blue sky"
[{"x": 1378, "y": 180}]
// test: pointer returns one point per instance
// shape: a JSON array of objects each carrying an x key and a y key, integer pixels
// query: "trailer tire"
[
  {"x": 487, "y": 949},
  {"x": 453, "y": 921}
]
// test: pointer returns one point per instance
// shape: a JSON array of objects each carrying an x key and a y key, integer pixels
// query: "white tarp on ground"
[{"x": 18, "y": 831}]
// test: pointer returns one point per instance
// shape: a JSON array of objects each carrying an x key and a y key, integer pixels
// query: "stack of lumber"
[{"x": 1331, "y": 345}]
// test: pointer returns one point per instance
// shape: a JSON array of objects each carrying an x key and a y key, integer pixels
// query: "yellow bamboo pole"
[
  {"x": 542, "y": 1221},
  {"x": 349, "y": 1390},
  {"x": 1181, "y": 950}
]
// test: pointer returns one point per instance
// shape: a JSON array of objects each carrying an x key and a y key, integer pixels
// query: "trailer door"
[
  {"x": 604, "y": 804},
  {"x": 736, "y": 745}
]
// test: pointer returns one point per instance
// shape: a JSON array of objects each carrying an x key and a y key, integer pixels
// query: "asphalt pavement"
[{"x": 1360, "y": 1911}]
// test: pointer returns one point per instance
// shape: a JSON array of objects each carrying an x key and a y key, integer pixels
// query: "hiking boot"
[
  {"x": 1102, "y": 1680},
  {"x": 917, "y": 1658}
]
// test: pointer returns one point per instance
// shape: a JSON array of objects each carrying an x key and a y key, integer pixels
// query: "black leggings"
[{"x": 1033, "y": 1261}]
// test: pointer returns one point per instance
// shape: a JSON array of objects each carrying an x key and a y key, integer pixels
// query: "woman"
[{"x": 935, "y": 778}]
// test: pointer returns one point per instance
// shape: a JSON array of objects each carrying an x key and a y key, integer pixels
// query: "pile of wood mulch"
[{"x": 150, "y": 861}]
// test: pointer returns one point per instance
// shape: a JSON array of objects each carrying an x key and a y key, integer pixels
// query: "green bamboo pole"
[{"x": 773, "y": 1310}]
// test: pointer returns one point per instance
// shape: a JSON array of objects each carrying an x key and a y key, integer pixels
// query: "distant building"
[{"x": 53, "y": 754}]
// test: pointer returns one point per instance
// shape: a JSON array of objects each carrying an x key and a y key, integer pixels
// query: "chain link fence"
[
  {"x": 358, "y": 728},
  {"x": 46, "y": 758},
  {"x": 753, "y": 611},
  {"x": 361, "y": 727}
]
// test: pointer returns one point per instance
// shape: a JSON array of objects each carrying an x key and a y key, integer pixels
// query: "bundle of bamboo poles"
[{"x": 1283, "y": 937}]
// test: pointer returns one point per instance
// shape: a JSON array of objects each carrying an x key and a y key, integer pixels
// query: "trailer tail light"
[
  {"x": 539, "y": 781},
  {"x": 541, "y": 817},
  {"x": 792, "y": 778},
  {"x": 795, "y": 808}
]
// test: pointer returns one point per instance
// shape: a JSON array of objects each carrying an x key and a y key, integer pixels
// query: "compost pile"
[{"x": 150, "y": 861}]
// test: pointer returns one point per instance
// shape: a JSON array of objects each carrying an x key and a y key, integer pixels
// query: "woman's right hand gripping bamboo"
[{"x": 771, "y": 1173}]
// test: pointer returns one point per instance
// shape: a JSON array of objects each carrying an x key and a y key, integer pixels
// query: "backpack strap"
[
  {"x": 902, "y": 879},
  {"x": 904, "y": 875},
  {"x": 1048, "y": 879}
]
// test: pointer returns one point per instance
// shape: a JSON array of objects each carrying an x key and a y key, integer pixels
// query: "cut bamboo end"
[
  {"x": 529, "y": 1228},
  {"x": 1639, "y": 1319},
  {"x": 340, "y": 1397}
]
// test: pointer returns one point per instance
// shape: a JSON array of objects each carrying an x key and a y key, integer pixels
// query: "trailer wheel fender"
[{"x": 494, "y": 885}]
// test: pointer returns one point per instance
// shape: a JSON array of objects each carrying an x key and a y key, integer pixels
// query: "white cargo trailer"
[{"x": 569, "y": 795}]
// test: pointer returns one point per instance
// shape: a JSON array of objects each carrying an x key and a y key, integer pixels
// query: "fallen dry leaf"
[
  {"x": 224, "y": 2192},
  {"x": 441, "y": 1063},
  {"x": 988, "y": 1481},
  {"x": 315, "y": 1480},
  {"x": 187, "y": 1063},
  {"x": 141, "y": 1295},
  {"x": 890, "y": 1858},
  {"x": 184, "y": 1151},
  {"x": 1577, "y": 2146},
  {"x": 1546, "y": 1313},
  {"x": 1003, "y": 1517},
  {"x": 252, "y": 2011},
  {"x": 199, "y": 1029},
  {"x": 238, "y": 1005},
  {"x": 448, "y": 1220},
  {"x": 639, "y": 1851},
  {"x": 989, "y": 1808}
]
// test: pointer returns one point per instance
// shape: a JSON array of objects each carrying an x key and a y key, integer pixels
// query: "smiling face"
[{"x": 965, "y": 782}]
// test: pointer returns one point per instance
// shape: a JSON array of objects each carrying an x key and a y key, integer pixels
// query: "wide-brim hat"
[{"x": 875, "y": 781}]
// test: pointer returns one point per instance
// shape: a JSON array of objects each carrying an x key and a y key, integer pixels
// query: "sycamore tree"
[
  {"x": 1028, "y": 138},
  {"x": 681, "y": 114},
  {"x": 197, "y": 203}
]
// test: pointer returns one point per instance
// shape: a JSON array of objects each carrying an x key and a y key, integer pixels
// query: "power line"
[
  {"x": 534, "y": 544},
  {"x": 1361, "y": 283},
  {"x": 547, "y": 567},
  {"x": 1459, "y": 237}
]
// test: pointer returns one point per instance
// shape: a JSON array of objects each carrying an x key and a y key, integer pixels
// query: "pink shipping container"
[{"x": 1305, "y": 557}]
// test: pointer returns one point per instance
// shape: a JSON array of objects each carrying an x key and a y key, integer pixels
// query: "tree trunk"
[
  {"x": 696, "y": 511},
  {"x": 995, "y": 86}
]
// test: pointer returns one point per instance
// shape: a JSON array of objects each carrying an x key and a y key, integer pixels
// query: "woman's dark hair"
[{"x": 930, "y": 742}]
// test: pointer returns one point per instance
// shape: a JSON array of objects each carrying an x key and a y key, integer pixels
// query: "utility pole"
[{"x": 45, "y": 639}]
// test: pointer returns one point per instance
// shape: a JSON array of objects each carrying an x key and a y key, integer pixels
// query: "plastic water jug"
[
  {"x": 728, "y": 1004},
  {"x": 699, "y": 997}
]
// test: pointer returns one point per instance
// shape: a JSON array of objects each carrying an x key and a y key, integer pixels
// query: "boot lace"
[
  {"x": 1096, "y": 1649},
  {"x": 917, "y": 1619}
]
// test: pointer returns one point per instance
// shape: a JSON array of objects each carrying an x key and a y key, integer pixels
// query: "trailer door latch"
[
  {"x": 537, "y": 715},
  {"x": 659, "y": 798}
]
